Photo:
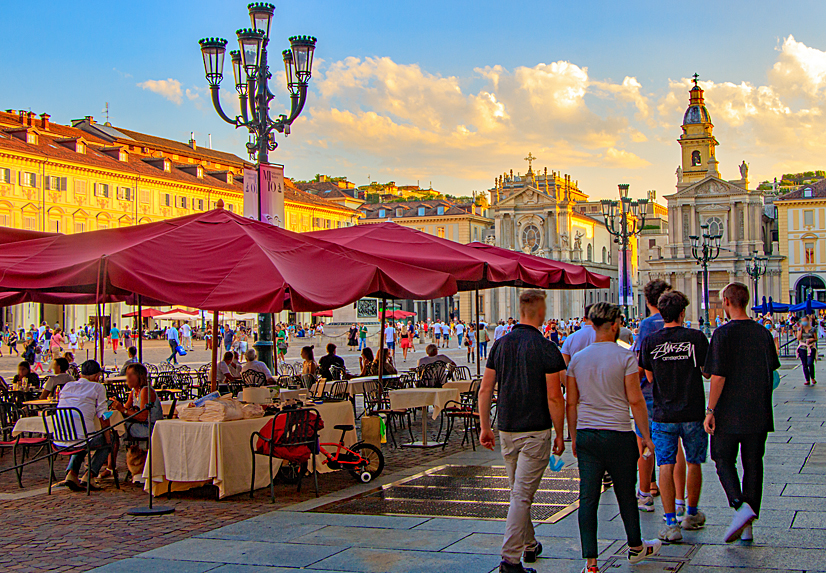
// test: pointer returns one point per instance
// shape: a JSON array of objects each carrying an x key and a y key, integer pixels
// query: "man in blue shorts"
[{"x": 673, "y": 358}]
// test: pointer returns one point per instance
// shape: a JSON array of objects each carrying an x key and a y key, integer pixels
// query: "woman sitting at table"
[
  {"x": 388, "y": 364},
  {"x": 366, "y": 361},
  {"x": 25, "y": 378},
  {"x": 310, "y": 366},
  {"x": 138, "y": 427}
]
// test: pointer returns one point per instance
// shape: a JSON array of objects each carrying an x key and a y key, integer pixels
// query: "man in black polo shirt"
[
  {"x": 741, "y": 361},
  {"x": 526, "y": 366}
]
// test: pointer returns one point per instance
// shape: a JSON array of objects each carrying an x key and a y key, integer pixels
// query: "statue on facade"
[
  {"x": 563, "y": 240},
  {"x": 744, "y": 170},
  {"x": 490, "y": 239},
  {"x": 679, "y": 174},
  {"x": 578, "y": 240}
]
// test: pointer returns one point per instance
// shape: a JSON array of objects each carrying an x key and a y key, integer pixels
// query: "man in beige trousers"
[{"x": 526, "y": 367}]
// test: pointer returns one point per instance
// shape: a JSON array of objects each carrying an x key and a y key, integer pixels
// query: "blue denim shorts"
[
  {"x": 666, "y": 436},
  {"x": 650, "y": 407}
]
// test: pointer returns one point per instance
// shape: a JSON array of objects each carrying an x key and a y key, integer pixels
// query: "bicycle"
[{"x": 364, "y": 461}]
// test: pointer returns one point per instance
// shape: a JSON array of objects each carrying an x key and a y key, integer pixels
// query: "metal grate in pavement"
[{"x": 464, "y": 492}]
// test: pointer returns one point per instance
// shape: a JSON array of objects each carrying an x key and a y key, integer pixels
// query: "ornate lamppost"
[
  {"x": 252, "y": 73},
  {"x": 623, "y": 209},
  {"x": 756, "y": 268},
  {"x": 705, "y": 249}
]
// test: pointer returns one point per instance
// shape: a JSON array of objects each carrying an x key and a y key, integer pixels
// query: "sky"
[{"x": 451, "y": 93}]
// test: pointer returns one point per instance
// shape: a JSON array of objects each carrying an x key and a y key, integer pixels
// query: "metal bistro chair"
[
  {"x": 337, "y": 372},
  {"x": 61, "y": 426},
  {"x": 377, "y": 402},
  {"x": 253, "y": 378},
  {"x": 467, "y": 410},
  {"x": 433, "y": 375},
  {"x": 9, "y": 415},
  {"x": 117, "y": 391},
  {"x": 461, "y": 373},
  {"x": 339, "y": 391},
  {"x": 300, "y": 428}
]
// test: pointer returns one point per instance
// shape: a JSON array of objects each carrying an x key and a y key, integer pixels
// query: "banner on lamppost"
[
  {"x": 626, "y": 291},
  {"x": 264, "y": 194}
]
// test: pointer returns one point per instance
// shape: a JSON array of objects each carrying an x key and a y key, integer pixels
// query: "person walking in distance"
[
  {"x": 673, "y": 358},
  {"x": 807, "y": 348},
  {"x": 603, "y": 381},
  {"x": 526, "y": 367},
  {"x": 173, "y": 338},
  {"x": 741, "y": 361},
  {"x": 653, "y": 323}
]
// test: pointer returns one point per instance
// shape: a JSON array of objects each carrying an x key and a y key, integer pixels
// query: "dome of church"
[{"x": 696, "y": 114}]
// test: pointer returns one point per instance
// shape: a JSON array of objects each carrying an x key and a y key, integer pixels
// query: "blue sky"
[{"x": 452, "y": 93}]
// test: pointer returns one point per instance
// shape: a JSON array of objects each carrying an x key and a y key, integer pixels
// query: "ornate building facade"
[
  {"x": 729, "y": 208},
  {"x": 546, "y": 214}
]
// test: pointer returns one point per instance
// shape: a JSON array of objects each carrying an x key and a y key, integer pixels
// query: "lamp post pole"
[
  {"x": 252, "y": 73},
  {"x": 624, "y": 209},
  {"x": 705, "y": 249},
  {"x": 756, "y": 268}
]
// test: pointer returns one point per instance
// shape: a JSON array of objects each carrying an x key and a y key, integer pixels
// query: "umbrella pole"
[
  {"x": 478, "y": 336},
  {"x": 381, "y": 339},
  {"x": 140, "y": 330},
  {"x": 213, "y": 377}
]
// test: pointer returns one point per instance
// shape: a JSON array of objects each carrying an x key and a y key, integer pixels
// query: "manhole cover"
[{"x": 463, "y": 491}]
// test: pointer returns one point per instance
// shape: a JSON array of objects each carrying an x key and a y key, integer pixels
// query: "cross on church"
[
  {"x": 696, "y": 77},
  {"x": 530, "y": 159}
]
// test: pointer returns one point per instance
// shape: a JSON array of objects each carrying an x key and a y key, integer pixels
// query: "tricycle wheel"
[{"x": 374, "y": 461}]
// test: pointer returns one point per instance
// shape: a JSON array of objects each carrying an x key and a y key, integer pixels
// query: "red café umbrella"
[
  {"x": 573, "y": 276},
  {"x": 323, "y": 314},
  {"x": 396, "y": 314},
  {"x": 212, "y": 260},
  {"x": 472, "y": 269},
  {"x": 145, "y": 313}
]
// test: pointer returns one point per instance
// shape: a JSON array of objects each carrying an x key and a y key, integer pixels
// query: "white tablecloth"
[
  {"x": 191, "y": 454},
  {"x": 35, "y": 424},
  {"x": 461, "y": 385},
  {"x": 355, "y": 386},
  {"x": 421, "y": 397}
]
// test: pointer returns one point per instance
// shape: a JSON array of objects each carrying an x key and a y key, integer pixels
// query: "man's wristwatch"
[{"x": 709, "y": 411}]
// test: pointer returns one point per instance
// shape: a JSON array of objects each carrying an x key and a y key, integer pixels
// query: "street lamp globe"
[
  {"x": 623, "y": 190},
  {"x": 213, "y": 49},
  {"x": 249, "y": 41},
  {"x": 261, "y": 16},
  {"x": 237, "y": 71},
  {"x": 303, "y": 48},
  {"x": 289, "y": 71}
]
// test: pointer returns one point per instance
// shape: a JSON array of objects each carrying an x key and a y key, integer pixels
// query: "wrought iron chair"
[
  {"x": 433, "y": 375},
  {"x": 253, "y": 378},
  {"x": 467, "y": 410},
  {"x": 9, "y": 415},
  {"x": 339, "y": 391},
  {"x": 377, "y": 402},
  {"x": 300, "y": 428},
  {"x": 61, "y": 425}
]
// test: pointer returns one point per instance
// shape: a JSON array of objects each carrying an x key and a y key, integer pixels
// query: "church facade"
[
  {"x": 729, "y": 208},
  {"x": 547, "y": 215}
]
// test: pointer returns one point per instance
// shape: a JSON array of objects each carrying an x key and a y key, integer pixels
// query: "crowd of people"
[{"x": 658, "y": 377}]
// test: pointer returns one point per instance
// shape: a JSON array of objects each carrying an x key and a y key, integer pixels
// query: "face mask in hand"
[{"x": 804, "y": 323}]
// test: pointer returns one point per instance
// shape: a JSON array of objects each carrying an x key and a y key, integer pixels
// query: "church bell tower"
[{"x": 697, "y": 140}]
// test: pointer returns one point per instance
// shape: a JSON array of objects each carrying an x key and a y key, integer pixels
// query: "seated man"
[
  {"x": 253, "y": 364},
  {"x": 88, "y": 396},
  {"x": 325, "y": 362},
  {"x": 433, "y": 355},
  {"x": 60, "y": 366},
  {"x": 228, "y": 370},
  {"x": 133, "y": 359}
]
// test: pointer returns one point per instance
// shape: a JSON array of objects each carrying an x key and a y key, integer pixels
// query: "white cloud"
[{"x": 168, "y": 88}]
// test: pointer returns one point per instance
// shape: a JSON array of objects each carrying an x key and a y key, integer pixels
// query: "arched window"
[
  {"x": 715, "y": 226},
  {"x": 590, "y": 252},
  {"x": 531, "y": 239}
]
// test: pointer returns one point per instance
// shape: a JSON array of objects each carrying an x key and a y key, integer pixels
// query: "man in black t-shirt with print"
[
  {"x": 673, "y": 359},
  {"x": 526, "y": 365},
  {"x": 741, "y": 361}
]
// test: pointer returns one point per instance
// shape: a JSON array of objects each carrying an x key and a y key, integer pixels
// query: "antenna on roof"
[
  {"x": 105, "y": 110},
  {"x": 210, "y": 140}
]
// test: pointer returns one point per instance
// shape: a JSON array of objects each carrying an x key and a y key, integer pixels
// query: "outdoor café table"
[
  {"x": 461, "y": 385},
  {"x": 191, "y": 454},
  {"x": 422, "y": 398},
  {"x": 35, "y": 423}
]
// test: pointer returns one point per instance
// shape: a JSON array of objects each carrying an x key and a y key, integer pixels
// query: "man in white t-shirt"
[
  {"x": 390, "y": 338},
  {"x": 460, "y": 331},
  {"x": 186, "y": 336},
  {"x": 499, "y": 331}
]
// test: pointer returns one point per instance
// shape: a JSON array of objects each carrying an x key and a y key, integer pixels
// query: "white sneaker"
[
  {"x": 743, "y": 518},
  {"x": 645, "y": 502},
  {"x": 671, "y": 534},
  {"x": 692, "y": 522},
  {"x": 649, "y": 549}
]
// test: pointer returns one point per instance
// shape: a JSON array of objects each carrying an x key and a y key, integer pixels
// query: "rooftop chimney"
[
  {"x": 44, "y": 120},
  {"x": 192, "y": 139},
  {"x": 89, "y": 119}
]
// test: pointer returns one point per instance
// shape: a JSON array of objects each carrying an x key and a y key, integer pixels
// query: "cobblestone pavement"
[
  {"x": 71, "y": 532},
  {"x": 789, "y": 537}
]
